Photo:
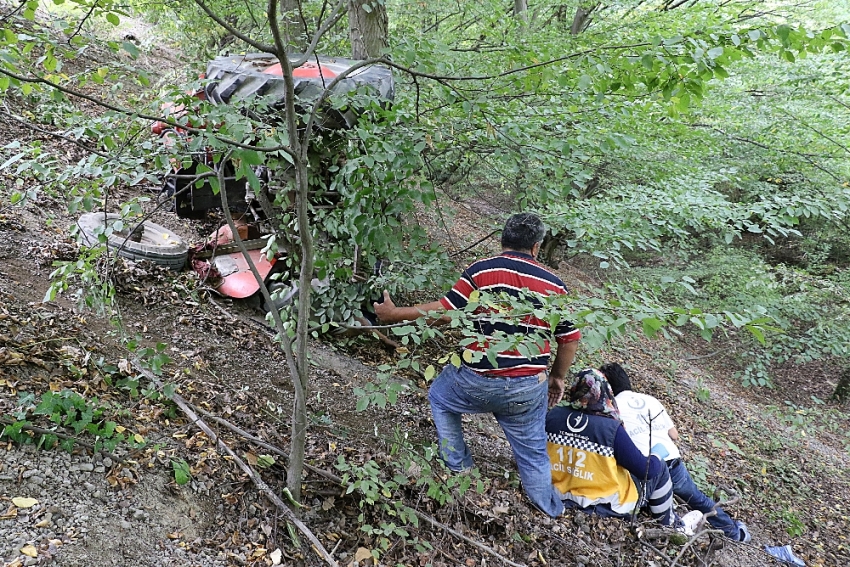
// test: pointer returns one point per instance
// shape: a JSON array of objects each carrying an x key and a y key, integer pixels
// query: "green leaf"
[
  {"x": 265, "y": 461},
  {"x": 756, "y": 332},
  {"x": 651, "y": 325},
  {"x": 112, "y": 19},
  {"x": 130, "y": 48},
  {"x": 169, "y": 389},
  {"x": 715, "y": 52},
  {"x": 182, "y": 473},
  {"x": 362, "y": 403}
]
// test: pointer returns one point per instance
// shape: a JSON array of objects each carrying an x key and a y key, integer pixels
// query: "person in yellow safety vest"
[{"x": 596, "y": 466}]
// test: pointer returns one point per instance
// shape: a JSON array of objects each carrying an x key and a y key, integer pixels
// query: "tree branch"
[
  {"x": 264, "y": 47},
  {"x": 331, "y": 21},
  {"x": 14, "y": 11},
  {"x": 810, "y": 158},
  {"x": 83, "y": 20},
  {"x": 42, "y": 431},
  {"x": 815, "y": 130},
  {"x": 299, "y": 359},
  {"x": 518, "y": 69},
  {"x": 35, "y": 128},
  {"x": 337, "y": 480},
  {"x": 258, "y": 481},
  {"x": 128, "y": 112}
]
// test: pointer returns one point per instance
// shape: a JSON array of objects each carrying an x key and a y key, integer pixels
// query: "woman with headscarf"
[{"x": 595, "y": 465}]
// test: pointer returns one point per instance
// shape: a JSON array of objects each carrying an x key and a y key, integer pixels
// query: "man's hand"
[
  {"x": 384, "y": 310},
  {"x": 556, "y": 389}
]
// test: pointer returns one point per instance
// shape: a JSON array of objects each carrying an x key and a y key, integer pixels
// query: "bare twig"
[
  {"x": 810, "y": 158},
  {"x": 691, "y": 542},
  {"x": 815, "y": 130},
  {"x": 336, "y": 14},
  {"x": 14, "y": 11},
  {"x": 35, "y": 128},
  {"x": 657, "y": 551},
  {"x": 258, "y": 481},
  {"x": 83, "y": 20},
  {"x": 338, "y": 480},
  {"x": 128, "y": 112},
  {"x": 709, "y": 355},
  {"x": 264, "y": 291},
  {"x": 264, "y": 47},
  {"x": 474, "y": 244}
]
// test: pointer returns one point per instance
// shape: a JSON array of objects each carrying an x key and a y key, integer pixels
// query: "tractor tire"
[
  {"x": 259, "y": 75},
  {"x": 149, "y": 241}
]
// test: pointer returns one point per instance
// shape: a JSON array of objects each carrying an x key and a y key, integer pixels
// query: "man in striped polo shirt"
[{"x": 516, "y": 388}]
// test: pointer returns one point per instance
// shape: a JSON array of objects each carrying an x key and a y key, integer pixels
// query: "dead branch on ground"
[
  {"x": 258, "y": 481},
  {"x": 338, "y": 480}
]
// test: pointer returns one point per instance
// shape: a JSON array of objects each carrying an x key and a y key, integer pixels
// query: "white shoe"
[{"x": 690, "y": 521}]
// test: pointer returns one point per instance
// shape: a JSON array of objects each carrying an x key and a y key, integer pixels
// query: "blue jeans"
[
  {"x": 684, "y": 488},
  {"x": 518, "y": 404}
]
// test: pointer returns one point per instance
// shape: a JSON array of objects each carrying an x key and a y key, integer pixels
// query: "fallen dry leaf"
[
  {"x": 362, "y": 554},
  {"x": 276, "y": 556},
  {"x": 22, "y": 502},
  {"x": 29, "y": 551}
]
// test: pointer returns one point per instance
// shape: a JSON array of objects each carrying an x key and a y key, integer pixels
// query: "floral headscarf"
[{"x": 591, "y": 393}]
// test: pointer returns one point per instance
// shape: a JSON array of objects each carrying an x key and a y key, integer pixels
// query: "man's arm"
[
  {"x": 388, "y": 312},
  {"x": 563, "y": 360}
]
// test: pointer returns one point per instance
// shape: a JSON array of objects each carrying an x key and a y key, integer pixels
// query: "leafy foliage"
[
  {"x": 68, "y": 410},
  {"x": 701, "y": 151}
]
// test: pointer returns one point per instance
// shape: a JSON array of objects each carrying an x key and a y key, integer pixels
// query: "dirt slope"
[{"x": 788, "y": 461}]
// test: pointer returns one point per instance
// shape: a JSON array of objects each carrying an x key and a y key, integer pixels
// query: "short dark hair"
[
  {"x": 617, "y": 377},
  {"x": 522, "y": 231}
]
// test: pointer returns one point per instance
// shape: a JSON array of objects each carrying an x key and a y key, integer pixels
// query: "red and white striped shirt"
[{"x": 516, "y": 274}]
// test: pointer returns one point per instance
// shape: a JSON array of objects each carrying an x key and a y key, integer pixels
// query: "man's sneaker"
[
  {"x": 743, "y": 532},
  {"x": 690, "y": 521}
]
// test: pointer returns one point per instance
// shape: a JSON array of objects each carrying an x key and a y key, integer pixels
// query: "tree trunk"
[
  {"x": 291, "y": 27},
  {"x": 842, "y": 390},
  {"x": 582, "y": 18},
  {"x": 301, "y": 381},
  {"x": 367, "y": 28},
  {"x": 521, "y": 10}
]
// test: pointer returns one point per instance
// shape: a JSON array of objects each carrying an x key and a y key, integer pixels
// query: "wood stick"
[
  {"x": 332, "y": 477},
  {"x": 690, "y": 543},
  {"x": 258, "y": 481}
]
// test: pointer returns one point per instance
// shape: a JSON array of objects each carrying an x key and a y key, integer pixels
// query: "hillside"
[
  {"x": 787, "y": 461},
  {"x": 166, "y": 496}
]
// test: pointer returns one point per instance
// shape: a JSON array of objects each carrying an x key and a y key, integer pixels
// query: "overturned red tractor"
[
  {"x": 256, "y": 82},
  {"x": 258, "y": 78}
]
